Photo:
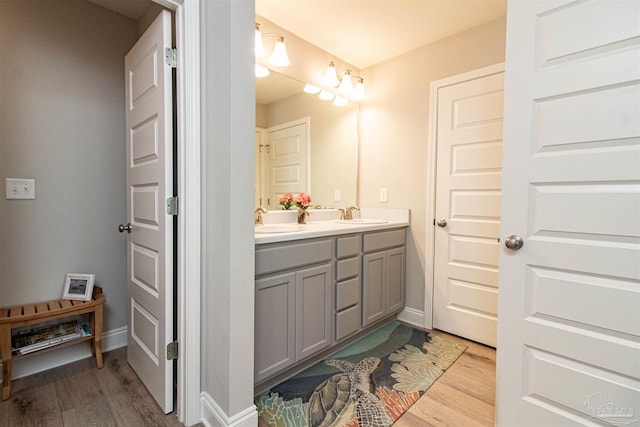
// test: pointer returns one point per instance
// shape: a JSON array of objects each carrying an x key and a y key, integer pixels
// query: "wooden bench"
[{"x": 30, "y": 314}]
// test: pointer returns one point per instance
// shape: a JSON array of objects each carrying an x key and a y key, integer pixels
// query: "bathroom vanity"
[{"x": 322, "y": 285}]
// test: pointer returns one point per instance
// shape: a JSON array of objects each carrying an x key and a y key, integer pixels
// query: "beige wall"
[
  {"x": 62, "y": 122},
  {"x": 261, "y": 116},
  {"x": 394, "y": 129}
]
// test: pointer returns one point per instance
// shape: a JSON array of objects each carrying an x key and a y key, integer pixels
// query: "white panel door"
[
  {"x": 149, "y": 183},
  {"x": 288, "y": 160},
  {"x": 569, "y": 303},
  {"x": 467, "y": 215}
]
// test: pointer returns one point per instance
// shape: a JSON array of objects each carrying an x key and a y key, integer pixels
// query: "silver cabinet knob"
[
  {"x": 514, "y": 242},
  {"x": 123, "y": 228},
  {"x": 442, "y": 223}
]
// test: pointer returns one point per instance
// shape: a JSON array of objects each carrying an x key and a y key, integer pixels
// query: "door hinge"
[
  {"x": 172, "y": 206},
  {"x": 172, "y": 351},
  {"x": 171, "y": 57}
]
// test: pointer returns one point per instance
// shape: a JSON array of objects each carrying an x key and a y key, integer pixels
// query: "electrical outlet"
[
  {"x": 20, "y": 188},
  {"x": 336, "y": 195},
  {"x": 383, "y": 195}
]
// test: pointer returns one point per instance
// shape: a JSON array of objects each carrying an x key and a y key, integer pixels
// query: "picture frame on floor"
[{"x": 78, "y": 286}]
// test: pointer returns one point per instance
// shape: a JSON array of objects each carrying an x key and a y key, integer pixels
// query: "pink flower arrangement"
[
  {"x": 301, "y": 200},
  {"x": 286, "y": 200}
]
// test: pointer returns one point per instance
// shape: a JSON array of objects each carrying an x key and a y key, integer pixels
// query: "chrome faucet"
[
  {"x": 258, "y": 215},
  {"x": 348, "y": 215}
]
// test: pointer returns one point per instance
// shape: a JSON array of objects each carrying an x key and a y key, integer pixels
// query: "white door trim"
[
  {"x": 187, "y": 17},
  {"x": 431, "y": 177}
]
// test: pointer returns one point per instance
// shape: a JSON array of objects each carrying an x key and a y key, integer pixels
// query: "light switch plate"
[
  {"x": 337, "y": 195},
  {"x": 20, "y": 188},
  {"x": 384, "y": 194}
]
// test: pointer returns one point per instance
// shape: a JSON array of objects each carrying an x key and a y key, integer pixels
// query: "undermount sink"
[
  {"x": 361, "y": 221},
  {"x": 277, "y": 228}
]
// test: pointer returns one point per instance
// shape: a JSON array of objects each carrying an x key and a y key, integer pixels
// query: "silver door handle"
[
  {"x": 514, "y": 242},
  {"x": 442, "y": 223},
  {"x": 122, "y": 228}
]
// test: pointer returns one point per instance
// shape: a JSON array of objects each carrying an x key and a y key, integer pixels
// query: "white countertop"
[{"x": 325, "y": 226}]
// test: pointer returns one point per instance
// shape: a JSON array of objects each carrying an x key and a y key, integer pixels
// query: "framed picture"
[{"x": 78, "y": 286}]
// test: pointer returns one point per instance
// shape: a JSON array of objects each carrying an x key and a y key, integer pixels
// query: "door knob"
[
  {"x": 442, "y": 223},
  {"x": 123, "y": 228},
  {"x": 514, "y": 242}
]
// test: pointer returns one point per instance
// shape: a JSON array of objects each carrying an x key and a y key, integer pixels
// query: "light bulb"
[
  {"x": 325, "y": 95},
  {"x": 279, "y": 57},
  {"x": 259, "y": 46},
  {"x": 358, "y": 93},
  {"x": 331, "y": 76},
  {"x": 340, "y": 101},
  {"x": 345, "y": 84},
  {"x": 311, "y": 88},
  {"x": 261, "y": 71}
]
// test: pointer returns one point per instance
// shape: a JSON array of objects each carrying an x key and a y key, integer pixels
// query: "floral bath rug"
[{"x": 370, "y": 383}]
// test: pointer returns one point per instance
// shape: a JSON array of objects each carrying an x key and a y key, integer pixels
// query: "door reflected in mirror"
[{"x": 303, "y": 144}]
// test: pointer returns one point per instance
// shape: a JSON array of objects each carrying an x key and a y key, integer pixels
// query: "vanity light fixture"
[
  {"x": 344, "y": 83},
  {"x": 311, "y": 89},
  {"x": 279, "y": 57},
  {"x": 358, "y": 93},
  {"x": 259, "y": 46},
  {"x": 331, "y": 76},
  {"x": 340, "y": 101},
  {"x": 325, "y": 95},
  {"x": 345, "y": 86},
  {"x": 261, "y": 71}
]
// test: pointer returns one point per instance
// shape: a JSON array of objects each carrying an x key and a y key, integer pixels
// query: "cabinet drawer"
[
  {"x": 347, "y": 268},
  {"x": 348, "y": 246},
  {"x": 383, "y": 240},
  {"x": 347, "y": 322},
  {"x": 347, "y": 293},
  {"x": 289, "y": 256}
]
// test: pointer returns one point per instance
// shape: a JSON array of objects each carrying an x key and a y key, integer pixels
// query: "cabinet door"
[
  {"x": 313, "y": 310},
  {"x": 394, "y": 280},
  {"x": 373, "y": 287},
  {"x": 274, "y": 324}
]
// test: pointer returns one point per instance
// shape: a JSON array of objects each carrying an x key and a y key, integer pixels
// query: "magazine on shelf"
[{"x": 48, "y": 336}]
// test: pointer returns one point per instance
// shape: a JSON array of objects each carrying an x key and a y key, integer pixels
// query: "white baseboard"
[
  {"x": 213, "y": 416},
  {"x": 412, "y": 316},
  {"x": 112, "y": 339}
]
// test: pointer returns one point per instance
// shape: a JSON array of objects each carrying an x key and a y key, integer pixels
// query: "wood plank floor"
[
  {"x": 463, "y": 396},
  {"x": 79, "y": 394}
]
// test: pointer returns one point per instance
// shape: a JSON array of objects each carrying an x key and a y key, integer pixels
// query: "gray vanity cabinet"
[
  {"x": 275, "y": 324},
  {"x": 348, "y": 268},
  {"x": 383, "y": 270},
  {"x": 313, "y": 310},
  {"x": 312, "y": 294},
  {"x": 293, "y": 303}
]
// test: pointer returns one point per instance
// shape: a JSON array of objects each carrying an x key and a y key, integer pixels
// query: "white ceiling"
[
  {"x": 362, "y": 32},
  {"x": 131, "y": 8}
]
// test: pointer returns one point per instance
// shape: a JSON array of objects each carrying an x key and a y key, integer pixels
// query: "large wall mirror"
[{"x": 304, "y": 144}]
